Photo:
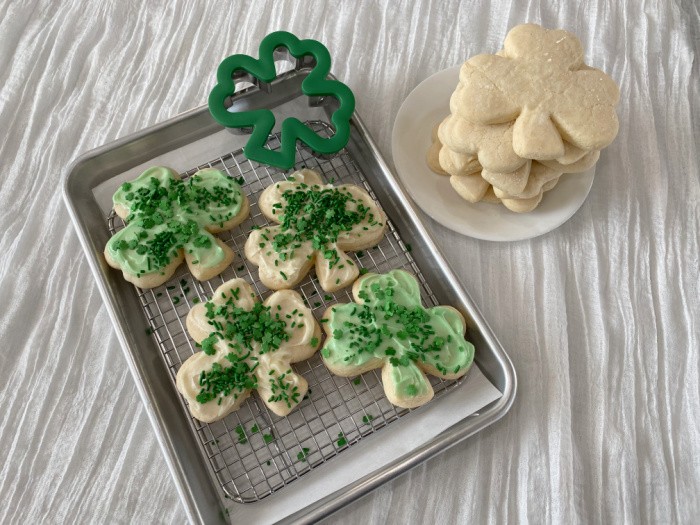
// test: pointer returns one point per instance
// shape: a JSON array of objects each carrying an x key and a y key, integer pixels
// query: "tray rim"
[{"x": 199, "y": 507}]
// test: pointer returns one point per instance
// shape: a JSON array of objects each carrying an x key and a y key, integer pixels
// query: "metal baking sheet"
[{"x": 221, "y": 468}]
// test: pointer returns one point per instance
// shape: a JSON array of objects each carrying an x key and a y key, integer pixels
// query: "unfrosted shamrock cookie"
[
  {"x": 432, "y": 157},
  {"x": 247, "y": 345},
  {"x": 491, "y": 147},
  {"x": 169, "y": 220},
  {"x": 540, "y": 82},
  {"x": 317, "y": 224},
  {"x": 387, "y": 327},
  {"x": 531, "y": 108}
]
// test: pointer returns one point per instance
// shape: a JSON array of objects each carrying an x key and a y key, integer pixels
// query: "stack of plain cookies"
[{"x": 523, "y": 118}]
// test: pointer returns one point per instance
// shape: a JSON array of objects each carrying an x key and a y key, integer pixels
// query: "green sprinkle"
[
  {"x": 195, "y": 300},
  {"x": 268, "y": 438},
  {"x": 254, "y": 429},
  {"x": 242, "y": 439},
  {"x": 357, "y": 380},
  {"x": 341, "y": 440},
  {"x": 366, "y": 419},
  {"x": 301, "y": 456},
  {"x": 314, "y": 341},
  {"x": 149, "y": 331},
  {"x": 208, "y": 344},
  {"x": 363, "y": 271}
]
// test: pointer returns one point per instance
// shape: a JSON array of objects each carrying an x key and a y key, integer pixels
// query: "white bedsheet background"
[{"x": 601, "y": 317}]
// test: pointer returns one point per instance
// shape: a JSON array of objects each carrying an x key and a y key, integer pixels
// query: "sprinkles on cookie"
[
  {"x": 247, "y": 345},
  {"x": 170, "y": 219},
  {"x": 387, "y": 327},
  {"x": 317, "y": 224}
]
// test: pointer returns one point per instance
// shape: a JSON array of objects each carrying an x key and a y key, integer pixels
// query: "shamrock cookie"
[
  {"x": 317, "y": 223},
  {"x": 532, "y": 109},
  {"x": 169, "y": 220},
  {"x": 540, "y": 82},
  {"x": 492, "y": 147},
  {"x": 388, "y": 328},
  {"x": 247, "y": 345}
]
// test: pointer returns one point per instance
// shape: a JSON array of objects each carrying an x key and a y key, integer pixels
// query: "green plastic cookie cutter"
[{"x": 262, "y": 120}]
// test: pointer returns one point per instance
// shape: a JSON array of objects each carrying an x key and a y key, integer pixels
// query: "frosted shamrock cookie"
[
  {"x": 169, "y": 220},
  {"x": 317, "y": 224},
  {"x": 247, "y": 345},
  {"x": 388, "y": 328}
]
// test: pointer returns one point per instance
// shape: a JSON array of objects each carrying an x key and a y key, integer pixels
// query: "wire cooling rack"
[{"x": 253, "y": 452}]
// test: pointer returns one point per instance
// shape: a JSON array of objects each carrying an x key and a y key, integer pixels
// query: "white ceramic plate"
[{"x": 428, "y": 104}]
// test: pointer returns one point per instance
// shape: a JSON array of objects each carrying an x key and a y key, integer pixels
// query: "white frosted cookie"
[
  {"x": 247, "y": 345},
  {"x": 387, "y": 327},
  {"x": 170, "y": 220},
  {"x": 317, "y": 224}
]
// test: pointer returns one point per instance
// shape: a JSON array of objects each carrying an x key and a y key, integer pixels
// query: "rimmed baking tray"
[{"x": 345, "y": 439}]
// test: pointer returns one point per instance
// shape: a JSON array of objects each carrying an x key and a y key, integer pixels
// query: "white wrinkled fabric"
[{"x": 601, "y": 317}]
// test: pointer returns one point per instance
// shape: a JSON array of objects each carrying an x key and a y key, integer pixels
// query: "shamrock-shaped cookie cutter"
[
  {"x": 247, "y": 345},
  {"x": 309, "y": 54},
  {"x": 387, "y": 327},
  {"x": 170, "y": 219},
  {"x": 317, "y": 224}
]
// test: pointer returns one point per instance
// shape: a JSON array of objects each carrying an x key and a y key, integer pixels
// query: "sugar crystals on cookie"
[{"x": 526, "y": 115}]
